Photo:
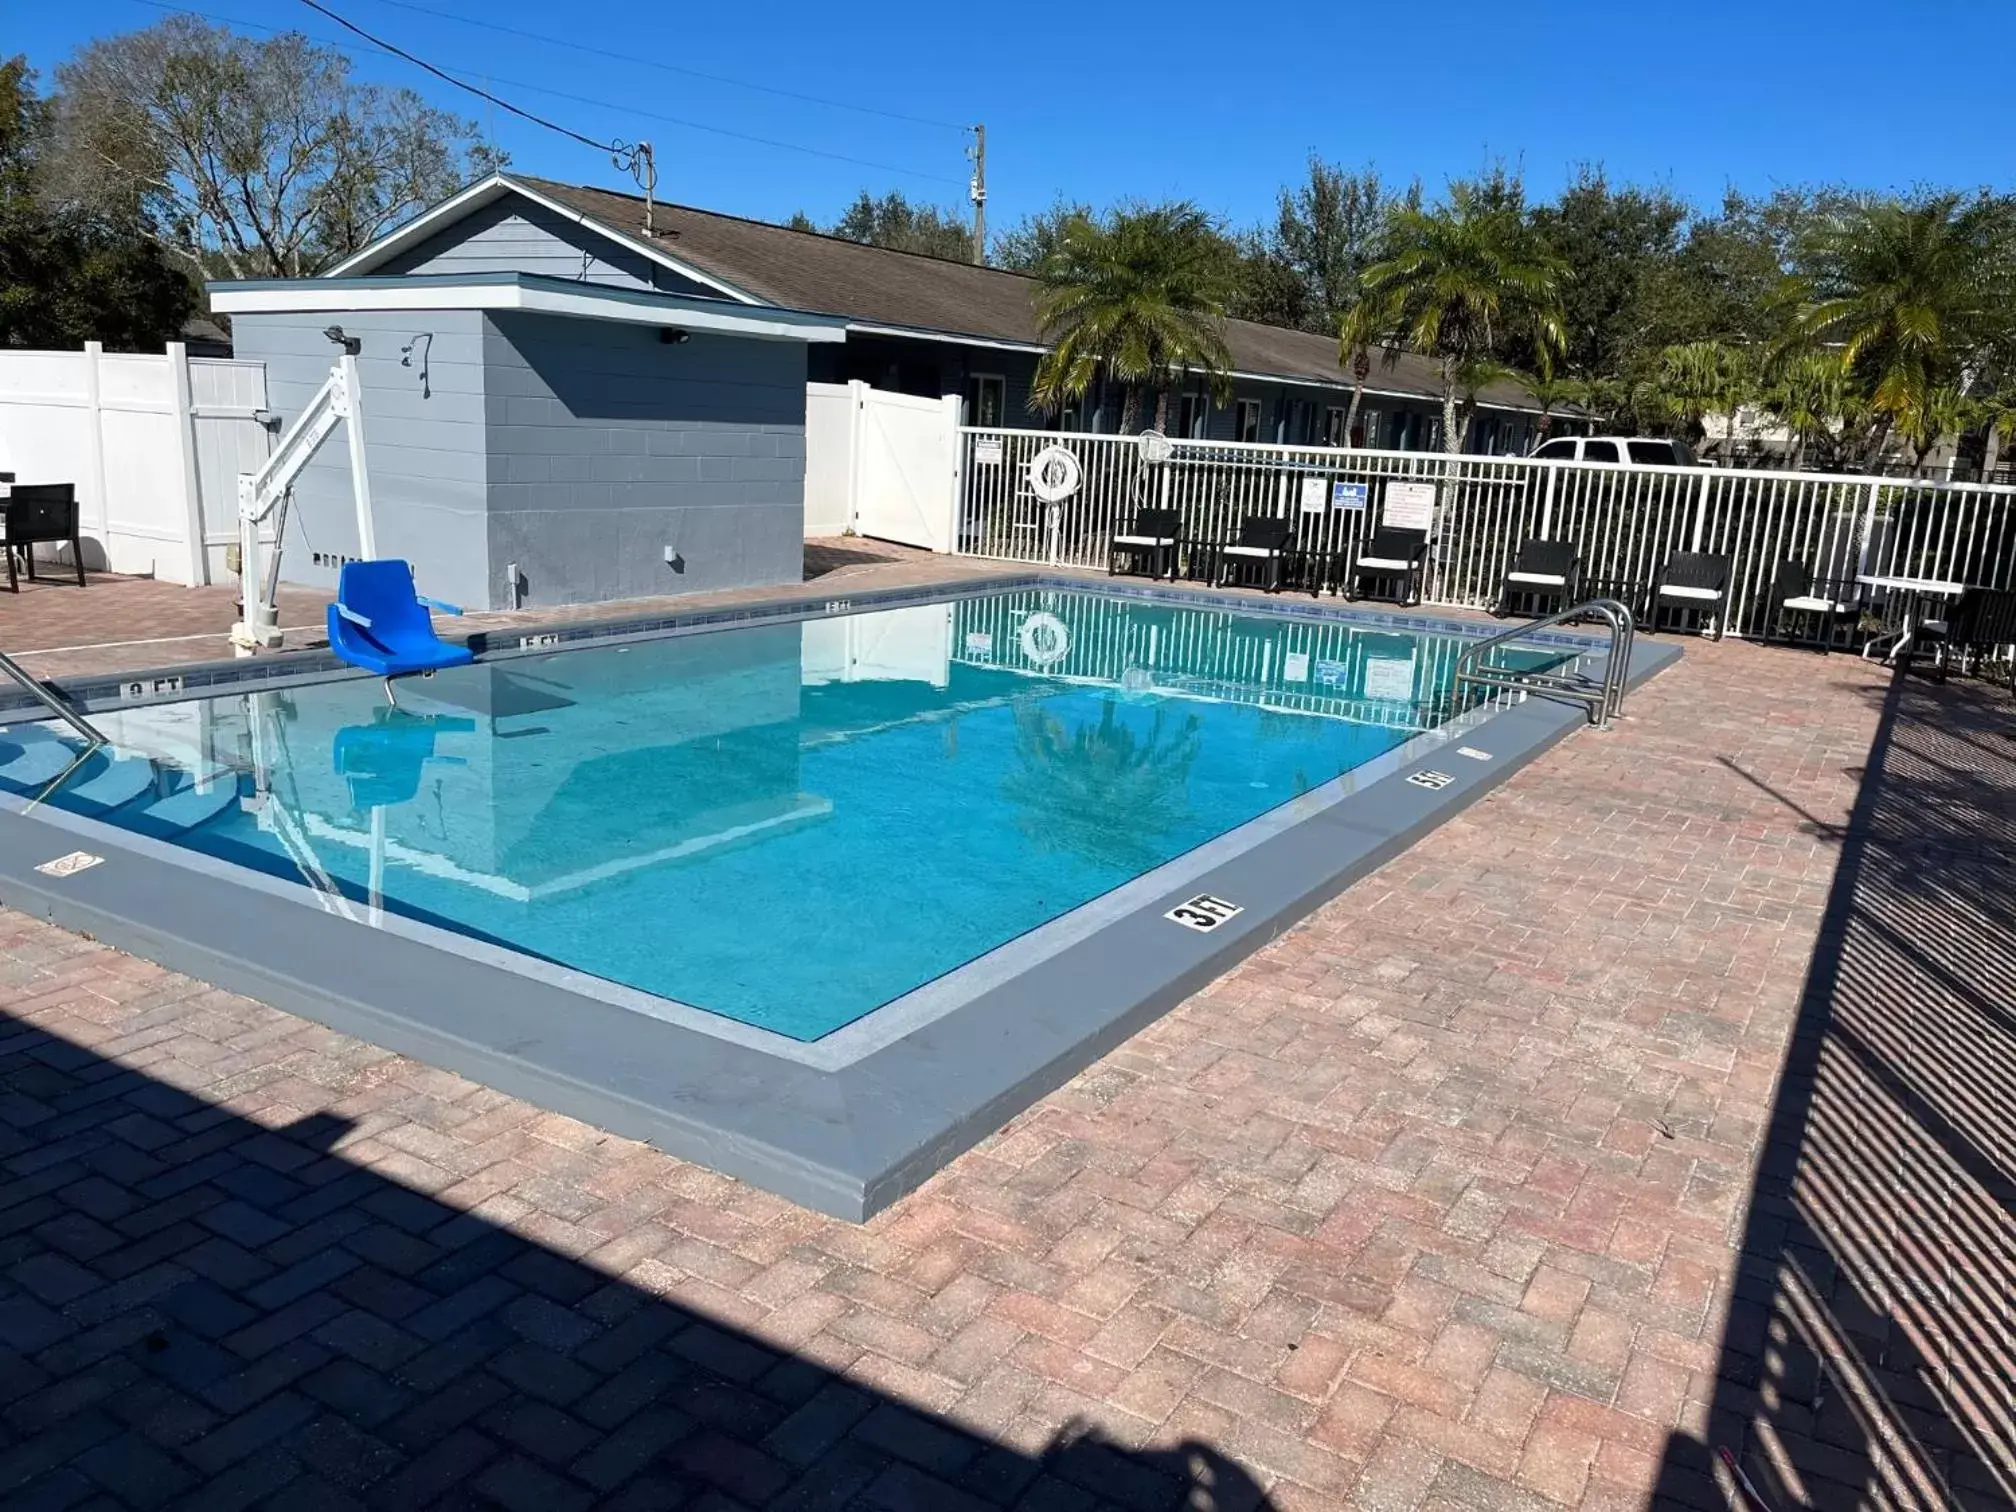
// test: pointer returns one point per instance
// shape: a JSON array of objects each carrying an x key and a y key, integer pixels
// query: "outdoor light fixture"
[
  {"x": 672, "y": 337},
  {"x": 351, "y": 345}
]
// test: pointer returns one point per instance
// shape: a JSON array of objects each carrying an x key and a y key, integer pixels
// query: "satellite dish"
[
  {"x": 1054, "y": 474},
  {"x": 1155, "y": 448}
]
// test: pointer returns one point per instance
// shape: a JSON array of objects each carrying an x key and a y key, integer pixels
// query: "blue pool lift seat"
[{"x": 381, "y": 623}]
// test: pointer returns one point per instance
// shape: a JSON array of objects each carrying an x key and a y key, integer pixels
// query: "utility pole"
[{"x": 978, "y": 192}]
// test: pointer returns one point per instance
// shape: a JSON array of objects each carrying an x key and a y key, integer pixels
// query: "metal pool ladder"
[
  {"x": 1604, "y": 700},
  {"x": 54, "y": 704}
]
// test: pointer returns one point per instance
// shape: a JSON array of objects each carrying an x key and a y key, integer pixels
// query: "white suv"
[{"x": 1644, "y": 451}]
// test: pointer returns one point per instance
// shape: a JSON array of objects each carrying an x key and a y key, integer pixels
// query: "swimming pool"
[
  {"x": 787, "y": 825},
  {"x": 816, "y": 893}
]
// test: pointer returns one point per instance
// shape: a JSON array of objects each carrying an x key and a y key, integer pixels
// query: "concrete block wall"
[
  {"x": 608, "y": 447},
  {"x": 425, "y": 425}
]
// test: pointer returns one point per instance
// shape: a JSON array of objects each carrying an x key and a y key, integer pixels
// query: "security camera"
[
  {"x": 351, "y": 345},
  {"x": 675, "y": 338}
]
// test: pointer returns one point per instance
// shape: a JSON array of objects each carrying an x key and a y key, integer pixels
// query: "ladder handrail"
[
  {"x": 50, "y": 701},
  {"x": 1616, "y": 674}
]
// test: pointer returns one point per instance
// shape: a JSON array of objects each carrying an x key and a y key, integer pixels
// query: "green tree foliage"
[
  {"x": 1464, "y": 282},
  {"x": 1027, "y": 245},
  {"x": 893, "y": 222},
  {"x": 68, "y": 275},
  {"x": 1137, "y": 296},
  {"x": 1912, "y": 294},
  {"x": 1611, "y": 243},
  {"x": 253, "y": 158}
]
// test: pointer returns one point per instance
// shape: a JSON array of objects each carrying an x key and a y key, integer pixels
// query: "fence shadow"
[
  {"x": 1869, "y": 1355},
  {"x": 200, "y": 1311}
]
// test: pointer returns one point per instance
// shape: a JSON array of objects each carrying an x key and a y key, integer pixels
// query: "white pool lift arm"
[{"x": 266, "y": 492}]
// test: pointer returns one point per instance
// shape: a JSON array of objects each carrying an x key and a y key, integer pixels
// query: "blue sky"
[{"x": 1217, "y": 103}]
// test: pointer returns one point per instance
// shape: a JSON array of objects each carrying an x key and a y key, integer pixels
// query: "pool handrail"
[{"x": 1604, "y": 703}]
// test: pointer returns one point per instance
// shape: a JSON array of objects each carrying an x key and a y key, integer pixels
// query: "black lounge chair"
[
  {"x": 1693, "y": 582},
  {"x": 37, "y": 513},
  {"x": 1391, "y": 555},
  {"x": 1548, "y": 572},
  {"x": 1152, "y": 535},
  {"x": 1263, "y": 542},
  {"x": 1795, "y": 596}
]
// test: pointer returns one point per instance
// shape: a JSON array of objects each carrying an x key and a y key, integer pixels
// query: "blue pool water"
[{"x": 787, "y": 824}]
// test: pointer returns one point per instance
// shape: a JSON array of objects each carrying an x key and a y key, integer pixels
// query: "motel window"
[
  {"x": 1370, "y": 432},
  {"x": 1333, "y": 427},
  {"x": 1249, "y": 420},
  {"x": 986, "y": 399},
  {"x": 1191, "y": 417}
]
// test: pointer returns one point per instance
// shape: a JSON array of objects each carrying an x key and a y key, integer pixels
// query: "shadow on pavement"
[
  {"x": 198, "y": 1311},
  {"x": 1869, "y": 1357}
]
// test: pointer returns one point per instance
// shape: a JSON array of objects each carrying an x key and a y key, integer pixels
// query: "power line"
[
  {"x": 540, "y": 89},
  {"x": 674, "y": 68},
  {"x": 443, "y": 74}
]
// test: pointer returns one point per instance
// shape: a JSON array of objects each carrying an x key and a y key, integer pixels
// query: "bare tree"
[{"x": 251, "y": 158}]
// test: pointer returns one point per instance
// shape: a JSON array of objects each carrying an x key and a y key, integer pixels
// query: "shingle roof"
[{"x": 807, "y": 270}]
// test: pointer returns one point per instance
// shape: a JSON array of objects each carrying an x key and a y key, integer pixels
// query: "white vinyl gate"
[{"x": 881, "y": 464}]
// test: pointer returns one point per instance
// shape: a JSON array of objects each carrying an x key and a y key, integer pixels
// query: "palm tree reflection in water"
[{"x": 1104, "y": 791}]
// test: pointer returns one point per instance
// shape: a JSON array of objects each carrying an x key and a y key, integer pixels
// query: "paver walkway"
[{"x": 1438, "y": 1201}]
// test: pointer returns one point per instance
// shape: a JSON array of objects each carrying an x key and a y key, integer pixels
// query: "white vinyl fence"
[
  {"x": 153, "y": 442},
  {"x": 881, "y": 464},
  {"x": 1625, "y": 520}
]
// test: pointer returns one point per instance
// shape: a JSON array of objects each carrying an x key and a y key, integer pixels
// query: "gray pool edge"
[{"x": 847, "y": 1141}]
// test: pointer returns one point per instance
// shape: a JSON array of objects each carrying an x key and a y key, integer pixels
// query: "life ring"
[
  {"x": 1054, "y": 474},
  {"x": 1046, "y": 639}
]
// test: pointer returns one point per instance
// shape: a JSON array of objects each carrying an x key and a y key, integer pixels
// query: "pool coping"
[{"x": 845, "y": 1135}]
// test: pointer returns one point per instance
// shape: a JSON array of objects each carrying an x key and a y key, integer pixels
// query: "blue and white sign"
[
  {"x": 1332, "y": 673},
  {"x": 1349, "y": 495}
]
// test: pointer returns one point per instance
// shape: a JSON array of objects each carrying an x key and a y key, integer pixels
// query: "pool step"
[
  {"x": 31, "y": 758},
  {"x": 185, "y": 810},
  {"x": 121, "y": 782}
]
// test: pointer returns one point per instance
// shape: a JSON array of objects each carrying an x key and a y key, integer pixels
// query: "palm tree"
[
  {"x": 1808, "y": 394},
  {"x": 1140, "y": 297},
  {"x": 1356, "y": 336},
  {"x": 1908, "y": 292},
  {"x": 1552, "y": 390},
  {"x": 1463, "y": 282},
  {"x": 1702, "y": 378}
]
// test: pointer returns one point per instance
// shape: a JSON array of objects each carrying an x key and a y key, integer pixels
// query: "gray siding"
[
  {"x": 607, "y": 446},
  {"x": 514, "y": 235},
  {"x": 424, "y": 429}
]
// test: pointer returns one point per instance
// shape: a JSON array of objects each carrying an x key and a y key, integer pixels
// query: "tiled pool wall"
[{"x": 152, "y": 685}]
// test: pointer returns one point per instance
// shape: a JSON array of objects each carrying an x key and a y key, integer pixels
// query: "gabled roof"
[{"x": 878, "y": 288}]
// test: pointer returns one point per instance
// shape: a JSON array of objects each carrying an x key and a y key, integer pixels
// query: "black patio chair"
[
  {"x": 1264, "y": 542},
  {"x": 1693, "y": 582},
  {"x": 1152, "y": 535},
  {"x": 1391, "y": 555},
  {"x": 39, "y": 513},
  {"x": 1548, "y": 572},
  {"x": 1795, "y": 596},
  {"x": 1980, "y": 624}
]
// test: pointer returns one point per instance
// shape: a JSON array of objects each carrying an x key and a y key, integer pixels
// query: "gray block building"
[{"x": 534, "y": 441}]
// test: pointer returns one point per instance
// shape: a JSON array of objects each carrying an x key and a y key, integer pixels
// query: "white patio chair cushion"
[
  {"x": 1252, "y": 551},
  {"x": 1131, "y": 540},
  {"x": 1548, "y": 579},
  {"x": 1386, "y": 564},
  {"x": 1675, "y": 590},
  {"x": 1813, "y": 604},
  {"x": 1932, "y": 627}
]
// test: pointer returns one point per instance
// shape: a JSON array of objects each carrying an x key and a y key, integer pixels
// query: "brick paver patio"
[{"x": 1442, "y": 1200}]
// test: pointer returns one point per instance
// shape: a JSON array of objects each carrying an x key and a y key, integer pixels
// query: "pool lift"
[
  {"x": 378, "y": 621},
  {"x": 268, "y": 492}
]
